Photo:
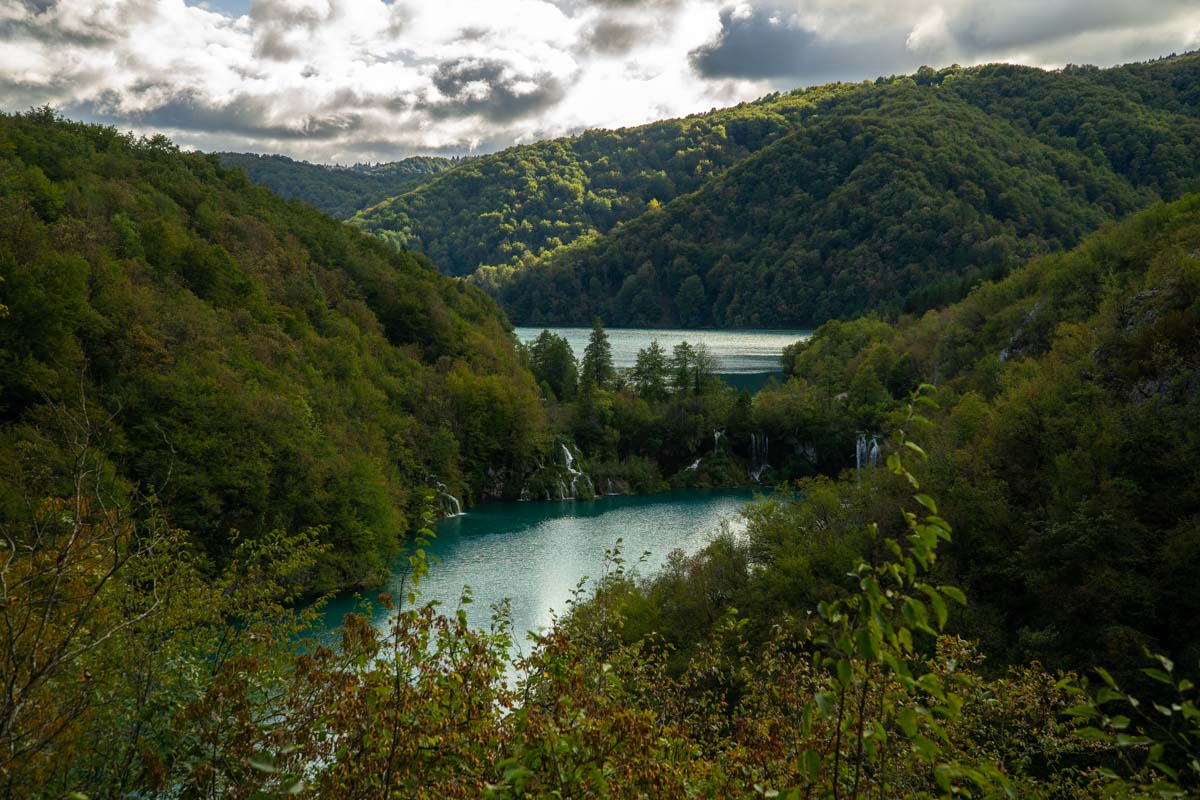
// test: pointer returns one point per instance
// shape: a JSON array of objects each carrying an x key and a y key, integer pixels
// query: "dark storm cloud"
[
  {"x": 762, "y": 45},
  {"x": 488, "y": 88}
]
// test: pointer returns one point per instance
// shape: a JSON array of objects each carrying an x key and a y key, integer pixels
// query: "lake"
[
  {"x": 534, "y": 554},
  {"x": 746, "y": 359}
]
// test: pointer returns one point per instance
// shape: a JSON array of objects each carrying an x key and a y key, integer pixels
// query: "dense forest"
[
  {"x": 254, "y": 363},
  {"x": 896, "y": 195},
  {"x": 338, "y": 191},
  {"x": 871, "y": 636},
  {"x": 1063, "y": 450},
  {"x": 975, "y": 578}
]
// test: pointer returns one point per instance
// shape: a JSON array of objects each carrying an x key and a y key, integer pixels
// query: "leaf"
[
  {"x": 954, "y": 593},
  {"x": 262, "y": 762},
  {"x": 293, "y": 785},
  {"x": 939, "y": 608},
  {"x": 926, "y": 501},
  {"x": 1159, "y": 675},
  {"x": 844, "y": 673},
  {"x": 812, "y": 764}
]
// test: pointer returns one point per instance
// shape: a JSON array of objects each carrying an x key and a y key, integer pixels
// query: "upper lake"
[{"x": 746, "y": 358}]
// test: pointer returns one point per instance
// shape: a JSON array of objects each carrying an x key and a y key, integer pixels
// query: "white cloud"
[{"x": 344, "y": 80}]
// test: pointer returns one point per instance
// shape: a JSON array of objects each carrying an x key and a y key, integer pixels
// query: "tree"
[
  {"x": 692, "y": 368},
  {"x": 553, "y": 363},
  {"x": 597, "y": 366},
  {"x": 650, "y": 372}
]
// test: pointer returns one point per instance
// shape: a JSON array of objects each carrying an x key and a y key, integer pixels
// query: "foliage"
[
  {"x": 597, "y": 365},
  {"x": 1065, "y": 448},
  {"x": 897, "y": 195},
  {"x": 265, "y": 367},
  {"x": 338, "y": 191}
]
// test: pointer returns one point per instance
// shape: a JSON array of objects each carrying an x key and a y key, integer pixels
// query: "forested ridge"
[
  {"x": 336, "y": 190},
  {"x": 1000, "y": 607},
  {"x": 257, "y": 364},
  {"x": 823, "y": 203}
]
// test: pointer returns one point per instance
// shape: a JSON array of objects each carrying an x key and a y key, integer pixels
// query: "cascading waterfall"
[
  {"x": 717, "y": 434},
  {"x": 695, "y": 465},
  {"x": 569, "y": 462},
  {"x": 867, "y": 451},
  {"x": 451, "y": 506},
  {"x": 759, "y": 449}
]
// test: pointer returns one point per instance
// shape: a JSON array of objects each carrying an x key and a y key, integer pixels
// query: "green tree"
[
  {"x": 650, "y": 372},
  {"x": 597, "y": 366},
  {"x": 553, "y": 363}
]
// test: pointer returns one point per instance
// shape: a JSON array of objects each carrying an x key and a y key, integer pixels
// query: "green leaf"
[
  {"x": 926, "y": 501},
  {"x": 955, "y": 594},
  {"x": 812, "y": 764},
  {"x": 262, "y": 762},
  {"x": 844, "y": 673},
  {"x": 1159, "y": 675}
]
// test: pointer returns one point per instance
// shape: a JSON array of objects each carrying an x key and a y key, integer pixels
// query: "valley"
[{"x": 837, "y": 444}]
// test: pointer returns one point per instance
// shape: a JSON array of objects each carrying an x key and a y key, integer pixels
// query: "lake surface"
[
  {"x": 535, "y": 553},
  {"x": 739, "y": 353}
]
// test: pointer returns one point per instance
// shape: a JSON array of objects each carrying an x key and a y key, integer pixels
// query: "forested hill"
[
  {"x": 1063, "y": 451},
  {"x": 338, "y": 191},
  {"x": 828, "y": 202},
  {"x": 259, "y": 364}
]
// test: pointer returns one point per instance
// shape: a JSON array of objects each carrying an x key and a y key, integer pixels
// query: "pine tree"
[{"x": 597, "y": 367}]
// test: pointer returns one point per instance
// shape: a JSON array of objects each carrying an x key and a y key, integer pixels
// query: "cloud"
[
  {"x": 491, "y": 89},
  {"x": 764, "y": 43},
  {"x": 349, "y": 80}
]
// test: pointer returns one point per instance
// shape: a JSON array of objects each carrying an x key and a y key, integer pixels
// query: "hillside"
[
  {"x": 511, "y": 207},
  {"x": 261, "y": 365},
  {"x": 338, "y": 191},
  {"x": 755, "y": 215},
  {"x": 1063, "y": 452}
]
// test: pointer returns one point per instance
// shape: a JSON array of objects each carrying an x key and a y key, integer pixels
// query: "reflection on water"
[{"x": 534, "y": 554}]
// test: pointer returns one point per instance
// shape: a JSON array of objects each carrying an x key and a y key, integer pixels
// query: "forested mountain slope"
[
  {"x": 510, "y": 207},
  {"x": 898, "y": 194},
  {"x": 1063, "y": 451},
  {"x": 338, "y": 191},
  {"x": 264, "y": 366}
]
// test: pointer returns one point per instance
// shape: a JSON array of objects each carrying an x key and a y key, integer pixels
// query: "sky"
[{"x": 345, "y": 81}]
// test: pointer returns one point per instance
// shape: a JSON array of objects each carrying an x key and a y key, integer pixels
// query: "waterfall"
[
  {"x": 695, "y": 465},
  {"x": 759, "y": 449},
  {"x": 717, "y": 434},
  {"x": 609, "y": 488},
  {"x": 867, "y": 451},
  {"x": 525, "y": 494},
  {"x": 451, "y": 507},
  {"x": 569, "y": 461}
]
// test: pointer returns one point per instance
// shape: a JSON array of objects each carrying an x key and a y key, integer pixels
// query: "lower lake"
[{"x": 534, "y": 554}]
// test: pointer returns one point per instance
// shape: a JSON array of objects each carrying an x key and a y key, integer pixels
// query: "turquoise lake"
[
  {"x": 534, "y": 554},
  {"x": 746, "y": 359}
]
